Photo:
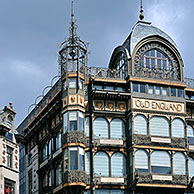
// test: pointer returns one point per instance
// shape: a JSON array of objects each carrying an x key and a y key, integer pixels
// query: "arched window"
[
  {"x": 87, "y": 162},
  {"x": 141, "y": 161},
  {"x": 140, "y": 125},
  {"x": 160, "y": 162},
  {"x": 159, "y": 126},
  {"x": 156, "y": 59},
  {"x": 58, "y": 141},
  {"x": 190, "y": 134},
  {"x": 101, "y": 127},
  {"x": 101, "y": 164},
  {"x": 58, "y": 175},
  {"x": 117, "y": 129},
  {"x": 178, "y": 128},
  {"x": 191, "y": 167},
  {"x": 179, "y": 164},
  {"x": 118, "y": 165}
]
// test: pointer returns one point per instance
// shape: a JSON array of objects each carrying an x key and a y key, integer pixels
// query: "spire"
[
  {"x": 141, "y": 16},
  {"x": 73, "y": 27}
]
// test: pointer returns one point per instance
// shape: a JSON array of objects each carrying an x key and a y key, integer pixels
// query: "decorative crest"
[{"x": 141, "y": 16}]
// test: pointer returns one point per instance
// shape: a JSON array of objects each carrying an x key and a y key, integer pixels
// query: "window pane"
[
  {"x": 135, "y": 87},
  {"x": 140, "y": 125},
  {"x": 158, "y": 90},
  {"x": 72, "y": 83},
  {"x": 65, "y": 122},
  {"x": 164, "y": 64},
  {"x": 100, "y": 128},
  {"x": 87, "y": 126},
  {"x": 66, "y": 160},
  {"x": 147, "y": 62},
  {"x": 98, "y": 87},
  {"x": 165, "y": 91},
  {"x": 81, "y": 158},
  {"x": 153, "y": 53},
  {"x": 158, "y": 54},
  {"x": 141, "y": 161},
  {"x": 159, "y": 63},
  {"x": 178, "y": 128},
  {"x": 81, "y": 84},
  {"x": 117, "y": 129},
  {"x": 73, "y": 120},
  {"x": 73, "y": 159},
  {"x": 179, "y": 164},
  {"x": 150, "y": 89},
  {"x": 110, "y": 88},
  {"x": 173, "y": 91},
  {"x": 81, "y": 121},
  {"x": 142, "y": 88},
  {"x": 180, "y": 93}
]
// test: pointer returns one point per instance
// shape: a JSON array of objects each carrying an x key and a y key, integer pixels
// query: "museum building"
[{"x": 123, "y": 129}]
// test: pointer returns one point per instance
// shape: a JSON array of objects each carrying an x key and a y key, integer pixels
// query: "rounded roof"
[{"x": 143, "y": 30}]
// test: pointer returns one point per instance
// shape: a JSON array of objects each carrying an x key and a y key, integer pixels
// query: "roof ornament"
[
  {"x": 73, "y": 26},
  {"x": 141, "y": 16}
]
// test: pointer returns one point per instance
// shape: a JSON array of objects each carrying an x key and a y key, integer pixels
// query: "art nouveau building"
[{"x": 123, "y": 129}]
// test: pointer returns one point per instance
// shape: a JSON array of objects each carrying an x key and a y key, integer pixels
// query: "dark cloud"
[{"x": 31, "y": 32}]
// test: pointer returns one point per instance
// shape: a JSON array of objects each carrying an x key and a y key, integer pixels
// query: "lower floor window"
[{"x": 9, "y": 187}]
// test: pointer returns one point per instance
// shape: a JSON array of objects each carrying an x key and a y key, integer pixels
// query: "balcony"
[{"x": 74, "y": 137}]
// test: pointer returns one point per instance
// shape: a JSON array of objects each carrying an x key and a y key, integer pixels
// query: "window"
[
  {"x": 142, "y": 88},
  {"x": 65, "y": 122},
  {"x": 80, "y": 84},
  {"x": 9, "y": 187},
  {"x": 73, "y": 120},
  {"x": 110, "y": 88},
  {"x": 180, "y": 93},
  {"x": 87, "y": 162},
  {"x": 135, "y": 87},
  {"x": 50, "y": 148},
  {"x": 58, "y": 175},
  {"x": 87, "y": 126},
  {"x": 101, "y": 164},
  {"x": 164, "y": 91},
  {"x": 190, "y": 135},
  {"x": 173, "y": 92},
  {"x": 44, "y": 152},
  {"x": 141, "y": 161},
  {"x": 9, "y": 157},
  {"x": 81, "y": 121},
  {"x": 120, "y": 89},
  {"x": 178, "y": 128},
  {"x": 45, "y": 180},
  {"x": 101, "y": 127},
  {"x": 158, "y": 90},
  {"x": 98, "y": 87},
  {"x": 50, "y": 178},
  {"x": 140, "y": 125},
  {"x": 191, "y": 167},
  {"x": 58, "y": 141},
  {"x": 66, "y": 160},
  {"x": 159, "y": 126},
  {"x": 160, "y": 162},
  {"x": 76, "y": 158},
  {"x": 107, "y": 191},
  {"x": 118, "y": 165},
  {"x": 30, "y": 190},
  {"x": 64, "y": 85},
  {"x": 72, "y": 83},
  {"x": 117, "y": 129},
  {"x": 179, "y": 164},
  {"x": 150, "y": 89}
]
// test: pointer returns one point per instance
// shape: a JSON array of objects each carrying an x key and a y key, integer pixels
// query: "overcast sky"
[{"x": 32, "y": 30}]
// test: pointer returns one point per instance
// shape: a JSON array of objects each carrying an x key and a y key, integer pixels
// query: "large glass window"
[
  {"x": 9, "y": 157},
  {"x": 178, "y": 128},
  {"x": 118, "y": 165},
  {"x": 179, "y": 164},
  {"x": 140, "y": 125},
  {"x": 190, "y": 135},
  {"x": 101, "y": 127},
  {"x": 101, "y": 164},
  {"x": 58, "y": 175},
  {"x": 141, "y": 161},
  {"x": 160, "y": 162},
  {"x": 117, "y": 129},
  {"x": 159, "y": 126}
]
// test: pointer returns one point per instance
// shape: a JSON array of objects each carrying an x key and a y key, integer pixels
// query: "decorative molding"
[
  {"x": 74, "y": 137},
  {"x": 75, "y": 176}
]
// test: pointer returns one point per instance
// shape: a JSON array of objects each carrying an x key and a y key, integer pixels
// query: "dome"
[{"x": 143, "y": 30}]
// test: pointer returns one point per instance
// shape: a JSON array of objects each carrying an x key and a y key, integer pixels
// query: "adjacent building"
[
  {"x": 9, "y": 149},
  {"x": 123, "y": 129}
]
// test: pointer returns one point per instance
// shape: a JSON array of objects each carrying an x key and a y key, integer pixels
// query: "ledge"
[{"x": 44, "y": 163}]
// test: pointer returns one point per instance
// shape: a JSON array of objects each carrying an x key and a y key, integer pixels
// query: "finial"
[
  {"x": 73, "y": 27},
  {"x": 141, "y": 16}
]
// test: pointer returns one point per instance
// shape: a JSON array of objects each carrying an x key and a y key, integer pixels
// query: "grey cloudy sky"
[{"x": 32, "y": 30}]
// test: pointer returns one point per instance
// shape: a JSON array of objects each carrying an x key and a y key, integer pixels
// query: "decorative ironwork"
[
  {"x": 189, "y": 82},
  {"x": 172, "y": 73},
  {"x": 75, "y": 176},
  {"x": 141, "y": 139},
  {"x": 179, "y": 180},
  {"x": 74, "y": 137},
  {"x": 178, "y": 142}
]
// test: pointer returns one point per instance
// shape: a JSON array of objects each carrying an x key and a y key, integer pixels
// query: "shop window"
[
  {"x": 101, "y": 127},
  {"x": 117, "y": 129},
  {"x": 72, "y": 83},
  {"x": 190, "y": 134},
  {"x": 140, "y": 125},
  {"x": 160, "y": 162},
  {"x": 178, "y": 128},
  {"x": 191, "y": 167},
  {"x": 141, "y": 161},
  {"x": 58, "y": 141},
  {"x": 118, "y": 165},
  {"x": 179, "y": 164},
  {"x": 159, "y": 126},
  {"x": 58, "y": 175},
  {"x": 9, "y": 157},
  {"x": 101, "y": 164}
]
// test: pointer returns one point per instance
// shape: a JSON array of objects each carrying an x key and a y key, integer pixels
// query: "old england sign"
[{"x": 156, "y": 105}]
